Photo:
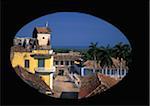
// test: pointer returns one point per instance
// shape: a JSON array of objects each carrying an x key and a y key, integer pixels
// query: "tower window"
[
  {"x": 41, "y": 62},
  {"x": 43, "y": 37}
]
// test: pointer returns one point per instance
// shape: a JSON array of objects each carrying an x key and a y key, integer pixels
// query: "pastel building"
[{"x": 35, "y": 54}]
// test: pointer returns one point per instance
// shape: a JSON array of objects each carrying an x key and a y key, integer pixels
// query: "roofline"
[
  {"x": 24, "y": 38},
  {"x": 44, "y": 27}
]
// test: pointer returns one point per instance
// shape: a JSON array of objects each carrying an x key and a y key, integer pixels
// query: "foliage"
[
  {"x": 105, "y": 54},
  {"x": 121, "y": 50}
]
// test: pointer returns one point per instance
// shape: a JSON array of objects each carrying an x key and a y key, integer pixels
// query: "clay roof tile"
[{"x": 43, "y": 30}]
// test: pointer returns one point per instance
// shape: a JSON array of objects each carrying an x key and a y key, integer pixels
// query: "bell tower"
[{"x": 42, "y": 35}]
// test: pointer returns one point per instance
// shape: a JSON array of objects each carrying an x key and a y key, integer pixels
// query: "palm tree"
[
  {"x": 87, "y": 56},
  {"x": 105, "y": 54},
  {"x": 102, "y": 55},
  {"x": 127, "y": 54},
  {"x": 121, "y": 50},
  {"x": 93, "y": 51}
]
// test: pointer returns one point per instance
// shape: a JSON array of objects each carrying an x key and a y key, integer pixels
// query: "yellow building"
[{"x": 37, "y": 59}]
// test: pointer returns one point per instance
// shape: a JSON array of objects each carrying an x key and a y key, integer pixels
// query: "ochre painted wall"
[
  {"x": 20, "y": 57},
  {"x": 46, "y": 79}
]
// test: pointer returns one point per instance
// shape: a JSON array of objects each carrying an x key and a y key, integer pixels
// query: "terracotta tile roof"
[
  {"x": 98, "y": 90},
  {"x": 88, "y": 84},
  {"x": 116, "y": 64},
  {"x": 107, "y": 80},
  {"x": 33, "y": 80},
  {"x": 95, "y": 84},
  {"x": 19, "y": 49},
  {"x": 106, "y": 83},
  {"x": 90, "y": 64},
  {"x": 43, "y": 30}
]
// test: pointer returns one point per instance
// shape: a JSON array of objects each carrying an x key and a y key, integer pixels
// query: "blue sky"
[{"x": 76, "y": 29}]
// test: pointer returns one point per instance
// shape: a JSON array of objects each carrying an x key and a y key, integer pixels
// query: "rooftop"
[
  {"x": 29, "y": 48},
  {"x": 88, "y": 84},
  {"x": 32, "y": 79},
  {"x": 116, "y": 64},
  {"x": 90, "y": 64},
  {"x": 67, "y": 56},
  {"x": 107, "y": 80},
  {"x": 43, "y": 30},
  {"x": 19, "y": 49},
  {"x": 94, "y": 84}
]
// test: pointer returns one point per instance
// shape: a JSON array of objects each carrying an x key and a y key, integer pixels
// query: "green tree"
[
  {"x": 122, "y": 51},
  {"x": 105, "y": 54},
  {"x": 101, "y": 54},
  {"x": 93, "y": 52}
]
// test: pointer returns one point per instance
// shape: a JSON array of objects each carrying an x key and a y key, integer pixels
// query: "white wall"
[{"x": 41, "y": 41}]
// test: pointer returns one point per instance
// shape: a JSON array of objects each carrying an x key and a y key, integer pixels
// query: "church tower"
[{"x": 42, "y": 35}]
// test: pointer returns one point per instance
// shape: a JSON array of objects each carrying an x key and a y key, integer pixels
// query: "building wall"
[
  {"x": 41, "y": 41},
  {"x": 64, "y": 68},
  {"x": 63, "y": 61},
  {"x": 46, "y": 79},
  {"x": 20, "y": 57}
]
